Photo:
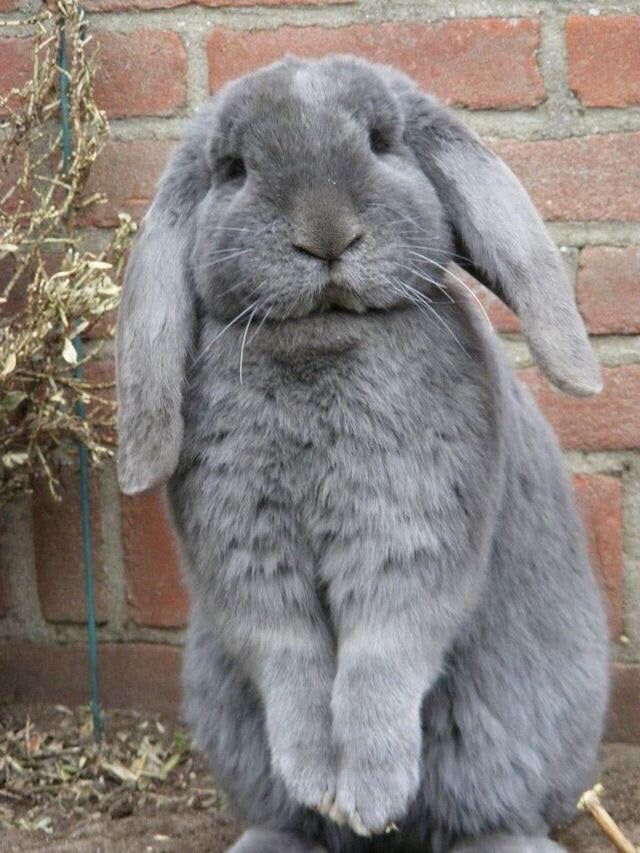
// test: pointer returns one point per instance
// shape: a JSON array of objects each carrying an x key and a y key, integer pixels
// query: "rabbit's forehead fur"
[
  {"x": 289, "y": 103},
  {"x": 310, "y": 197}
]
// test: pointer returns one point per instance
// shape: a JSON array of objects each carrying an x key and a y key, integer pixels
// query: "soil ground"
[{"x": 145, "y": 791}]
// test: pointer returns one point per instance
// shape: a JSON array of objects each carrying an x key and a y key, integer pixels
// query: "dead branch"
[
  {"x": 53, "y": 287},
  {"x": 590, "y": 802}
]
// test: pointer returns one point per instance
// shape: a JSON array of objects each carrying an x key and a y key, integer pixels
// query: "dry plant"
[
  {"x": 51, "y": 287},
  {"x": 590, "y": 802},
  {"x": 53, "y": 775}
]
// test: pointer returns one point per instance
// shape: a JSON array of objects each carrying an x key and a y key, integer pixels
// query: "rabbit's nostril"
[
  {"x": 357, "y": 238},
  {"x": 328, "y": 248},
  {"x": 312, "y": 251}
]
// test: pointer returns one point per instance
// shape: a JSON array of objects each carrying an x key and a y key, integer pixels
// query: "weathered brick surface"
[
  {"x": 609, "y": 421},
  {"x": 600, "y": 499},
  {"x": 608, "y": 289},
  {"x": 144, "y": 5},
  {"x": 581, "y": 178},
  {"x": 127, "y": 172},
  {"x": 16, "y": 63},
  {"x": 8, "y": 177},
  {"x": 124, "y": 84},
  {"x": 57, "y": 536},
  {"x": 479, "y": 63},
  {"x": 156, "y": 595},
  {"x": 147, "y": 677},
  {"x": 5, "y": 596},
  {"x": 591, "y": 174},
  {"x": 131, "y": 5},
  {"x": 133, "y": 675},
  {"x": 8, "y": 5},
  {"x": 604, "y": 59}
]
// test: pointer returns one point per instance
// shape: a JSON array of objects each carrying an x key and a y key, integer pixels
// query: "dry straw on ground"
[
  {"x": 52, "y": 287},
  {"x": 53, "y": 774}
]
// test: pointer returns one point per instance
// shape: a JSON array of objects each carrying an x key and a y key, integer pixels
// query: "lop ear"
[
  {"x": 155, "y": 330},
  {"x": 508, "y": 248}
]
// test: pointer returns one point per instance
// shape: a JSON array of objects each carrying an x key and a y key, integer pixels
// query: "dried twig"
[
  {"x": 590, "y": 802},
  {"x": 51, "y": 287},
  {"x": 53, "y": 774}
]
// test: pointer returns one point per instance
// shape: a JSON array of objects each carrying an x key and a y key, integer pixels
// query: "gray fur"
[
  {"x": 507, "y": 844},
  {"x": 270, "y": 841},
  {"x": 393, "y": 615}
]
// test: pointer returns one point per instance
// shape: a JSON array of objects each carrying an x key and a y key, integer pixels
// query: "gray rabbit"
[{"x": 396, "y": 640}]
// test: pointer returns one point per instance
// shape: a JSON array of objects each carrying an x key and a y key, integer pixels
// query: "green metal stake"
[{"x": 87, "y": 549}]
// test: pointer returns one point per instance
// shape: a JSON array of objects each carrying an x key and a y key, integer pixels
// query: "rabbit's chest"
[{"x": 301, "y": 457}]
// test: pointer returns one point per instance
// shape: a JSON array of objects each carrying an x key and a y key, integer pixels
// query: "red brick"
[
  {"x": 8, "y": 5},
  {"x": 143, "y": 5},
  {"x": 140, "y": 73},
  {"x": 16, "y": 63},
  {"x": 16, "y": 299},
  {"x": 237, "y": 3},
  {"x": 623, "y": 725},
  {"x": 5, "y": 597},
  {"x": 143, "y": 676},
  {"x": 604, "y": 59},
  {"x": 128, "y": 173},
  {"x": 156, "y": 595},
  {"x": 600, "y": 499},
  {"x": 131, "y": 5},
  {"x": 608, "y": 289},
  {"x": 608, "y": 421},
  {"x": 57, "y": 539},
  {"x": 480, "y": 63},
  {"x": 102, "y": 373},
  {"x": 146, "y": 677},
  {"x": 581, "y": 178}
]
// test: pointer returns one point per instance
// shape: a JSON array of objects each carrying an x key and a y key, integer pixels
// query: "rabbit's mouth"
[{"x": 338, "y": 296}]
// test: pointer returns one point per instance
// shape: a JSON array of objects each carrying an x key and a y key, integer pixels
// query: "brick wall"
[{"x": 554, "y": 88}]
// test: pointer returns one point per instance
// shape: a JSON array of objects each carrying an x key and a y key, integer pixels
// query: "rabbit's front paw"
[
  {"x": 309, "y": 775},
  {"x": 371, "y": 796}
]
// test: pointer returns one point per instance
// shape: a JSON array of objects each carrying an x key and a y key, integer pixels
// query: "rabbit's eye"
[
  {"x": 379, "y": 144},
  {"x": 233, "y": 169}
]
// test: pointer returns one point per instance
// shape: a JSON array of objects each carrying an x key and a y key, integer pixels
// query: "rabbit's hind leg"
[
  {"x": 257, "y": 840},
  {"x": 505, "y": 843}
]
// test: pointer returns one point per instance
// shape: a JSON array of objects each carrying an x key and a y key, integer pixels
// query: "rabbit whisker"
[
  {"x": 420, "y": 228},
  {"x": 418, "y": 300},
  {"x": 404, "y": 217},
  {"x": 460, "y": 281},
  {"x": 435, "y": 249},
  {"x": 230, "y": 228},
  {"x": 421, "y": 274},
  {"x": 260, "y": 324},
  {"x": 208, "y": 347},
  {"x": 228, "y": 249},
  {"x": 222, "y": 260},
  {"x": 244, "y": 338},
  {"x": 241, "y": 284}
]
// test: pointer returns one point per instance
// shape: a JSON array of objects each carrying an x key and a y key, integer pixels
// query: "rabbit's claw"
[
  {"x": 337, "y": 816},
  {"x": 326, "y": 806},
  {"x": 371, "y": 798},
  {"x": 357, "y": 825},
  {"x": 309, "y": 776}
]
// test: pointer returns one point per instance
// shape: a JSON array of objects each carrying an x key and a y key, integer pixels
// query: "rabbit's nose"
[{"x": 327, "y": 247}]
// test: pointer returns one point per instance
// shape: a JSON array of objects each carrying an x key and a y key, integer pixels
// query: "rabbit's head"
[{"x": 311, "y": 186}]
